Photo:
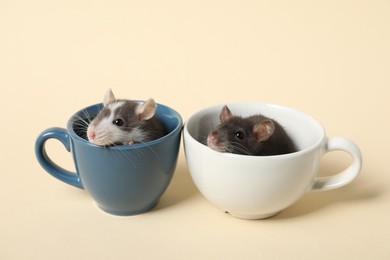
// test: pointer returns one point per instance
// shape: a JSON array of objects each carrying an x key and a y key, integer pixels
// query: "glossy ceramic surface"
[
  {"x": 123, "y": 180},
  {"x": 255, "y": 187}
]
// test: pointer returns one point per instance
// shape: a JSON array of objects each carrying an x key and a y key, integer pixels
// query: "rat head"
[
  {"x": 120, "y": 121},
  {"x": 240, "y": 135}
]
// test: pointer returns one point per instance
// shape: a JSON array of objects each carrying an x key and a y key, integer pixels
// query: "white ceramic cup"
[{"x": 256, "y": 187}]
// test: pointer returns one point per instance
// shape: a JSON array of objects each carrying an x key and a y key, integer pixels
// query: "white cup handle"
[{"x": 346, "y": 176}]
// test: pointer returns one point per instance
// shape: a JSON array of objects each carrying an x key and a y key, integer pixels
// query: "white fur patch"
[
  {"x": 113, "y": 106},
  {"x": 137, "y": 135}
]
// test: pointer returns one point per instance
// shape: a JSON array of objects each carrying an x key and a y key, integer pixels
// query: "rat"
[
  {"x": 254, "y": 135},
  {"x": 124, "y": 122}
]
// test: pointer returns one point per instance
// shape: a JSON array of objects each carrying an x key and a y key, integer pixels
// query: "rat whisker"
[
  {"x": 88, "y": 117},
  {"x": 82, "y": 120},
  {"x": 147, "y": 146},
  {"x": 125, "y": 155},
  {"x": 240, "y": 149},
  {"x": 227, "y": 149},
  {"x": 202, "y": 136},
  {"x": 80, "y": 127}
]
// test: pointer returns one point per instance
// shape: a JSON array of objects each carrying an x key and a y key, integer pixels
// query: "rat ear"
[
  {"x": 264, "y": 130},
  {"x": 225, "y": 114},
  {"x": 108, "y": 97},
  {"x": 146, "y": 110}
]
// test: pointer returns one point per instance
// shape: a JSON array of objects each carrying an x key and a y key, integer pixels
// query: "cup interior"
[
  {"x": 305, "y": 131},
  {"x": 78, "y": 124}
]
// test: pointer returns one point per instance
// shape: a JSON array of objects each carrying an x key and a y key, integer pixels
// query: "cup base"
[
  {"x": 128, "y": 212},
  {"x": 252, "y": 217}
]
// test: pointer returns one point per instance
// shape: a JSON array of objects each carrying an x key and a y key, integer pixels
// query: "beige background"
[{"x": 330, "y": 59}]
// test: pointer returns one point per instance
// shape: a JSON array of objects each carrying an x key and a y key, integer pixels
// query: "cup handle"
[
  {"x": 346, "y": 176},
  {"x": 51, "y": 167}
]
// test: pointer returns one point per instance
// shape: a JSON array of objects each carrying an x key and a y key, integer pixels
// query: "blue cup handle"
[{"x": 51, "y": 167}]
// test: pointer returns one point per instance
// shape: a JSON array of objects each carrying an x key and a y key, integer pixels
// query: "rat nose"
[
  {"x": 212, "y": 138},
  {"x": 91, "y": 134}
]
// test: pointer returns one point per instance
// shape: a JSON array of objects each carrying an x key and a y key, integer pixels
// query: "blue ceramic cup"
[{"x": 125, "y": 179}]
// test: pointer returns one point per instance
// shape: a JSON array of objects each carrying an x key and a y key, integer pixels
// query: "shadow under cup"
[
  {"x": 123, "y": 179},
  {"x": 256, "y": 187}
]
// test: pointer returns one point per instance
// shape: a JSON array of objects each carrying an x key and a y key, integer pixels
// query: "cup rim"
[
  {"x": 76, "y": 137},
  {"x": 298, "y": 153}
]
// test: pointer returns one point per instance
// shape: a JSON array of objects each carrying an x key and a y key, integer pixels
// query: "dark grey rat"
[
  {"x": 125, "y": 122},
  {"x": 253, "y": 135}
]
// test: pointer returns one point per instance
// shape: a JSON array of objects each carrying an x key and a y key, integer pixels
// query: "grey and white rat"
[
  {"x": 124, "y": 122},
  {"x": 254, "y": 135}
]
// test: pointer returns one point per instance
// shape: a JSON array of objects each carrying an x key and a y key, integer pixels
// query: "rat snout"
[
  {"x": 91, "y": 133},
  {"x": 212, "y": 138},
  {"x": 99, "y": 136},
  {"x": 216, "y": 140}
]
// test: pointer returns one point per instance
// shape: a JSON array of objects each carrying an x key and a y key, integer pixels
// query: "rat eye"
[
  {"x": 239, "y": 135},
  {"x": 118, "y": 122}
]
